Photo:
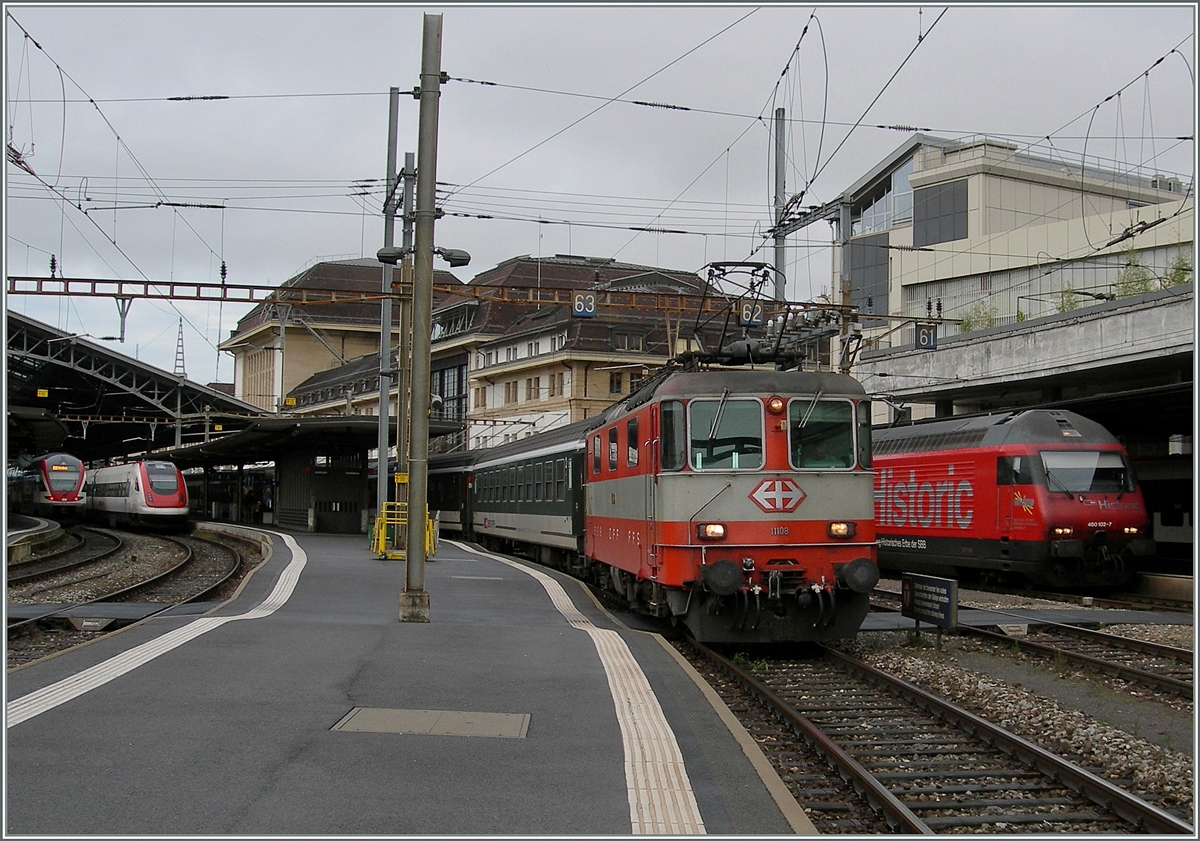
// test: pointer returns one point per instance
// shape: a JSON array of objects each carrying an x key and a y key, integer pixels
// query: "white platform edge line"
[
  {"x": 659, "y": 787},
  {"x": 22, "y": 709}
]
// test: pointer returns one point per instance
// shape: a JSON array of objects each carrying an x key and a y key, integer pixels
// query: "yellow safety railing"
[{"x": 389, "y": 539}]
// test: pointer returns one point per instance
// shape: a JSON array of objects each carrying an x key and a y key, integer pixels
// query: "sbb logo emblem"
[{"x": 777, "y": 496}]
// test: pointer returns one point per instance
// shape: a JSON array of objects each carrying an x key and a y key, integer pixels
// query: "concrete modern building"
[{"x": 984, "y": 232}]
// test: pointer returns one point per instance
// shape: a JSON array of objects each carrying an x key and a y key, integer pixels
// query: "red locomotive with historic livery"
[
  {"x": 1047, "y": 497},
  {"x": 736, "y": 502}
]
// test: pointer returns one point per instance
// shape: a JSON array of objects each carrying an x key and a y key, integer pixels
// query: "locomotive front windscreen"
[
  {"x": 726, "y": 434},
  {"x": 63, "y": 476},
  {"x": 162, "y": 477},
  {"x": 1086, "y": 471},
  {"x": 822, "y": 433}
]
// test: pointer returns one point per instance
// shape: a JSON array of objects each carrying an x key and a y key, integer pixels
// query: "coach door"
[
  {"x": 1010, "y": 470},
  {"x": 649, "y": 466}
]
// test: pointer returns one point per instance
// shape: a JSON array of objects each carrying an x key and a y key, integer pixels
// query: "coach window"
[
  {"x": 672, "y": 436},
  {"x": 631, "y": 443},
  {"x": 726, "y": 434},
  {"x": 529, "y": 483},
  {"x": 612, "y": 449},
  {"x": 595, "y": 453},
  {"x": 822, "y": 433},
  {"x": 560, "y": 479}
]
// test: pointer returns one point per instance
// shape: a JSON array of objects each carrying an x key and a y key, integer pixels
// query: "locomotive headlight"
[
  {"x": 1063, "y": 531},
  {"x": 1132, "y": 530},
  {"x": 841, "y": 529},
  {"x": 775, "y": 405},
  {"x": 710, "y": 531}
]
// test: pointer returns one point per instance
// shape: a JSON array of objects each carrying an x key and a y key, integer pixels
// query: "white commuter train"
[{"x": 145, "y": 493}]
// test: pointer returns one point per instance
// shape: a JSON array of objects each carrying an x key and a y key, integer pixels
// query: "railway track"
[
  {"x": 1161, "y": 667},
  {"x": 86, "y": 546},
  {"x": 929, "y": 767},
  {"x": 197, "y": 568}
]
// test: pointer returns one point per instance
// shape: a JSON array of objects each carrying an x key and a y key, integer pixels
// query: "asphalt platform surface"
[{"x": 305, "y": 707}]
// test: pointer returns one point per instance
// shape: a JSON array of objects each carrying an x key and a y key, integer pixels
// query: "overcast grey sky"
[{"x": 553, "y": 149}]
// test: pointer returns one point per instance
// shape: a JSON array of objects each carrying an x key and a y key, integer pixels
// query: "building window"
[
  {"x": 940, "y": 213},
  {"x": 510, "y": 392},
  {"x": 555, "y": 385},
  {"x": 614, "y": 382},
  {"x": 890, "y": 204},
  {"x": 627, "y": 341},
  {"x": 635, "y": 381},
  {"x": 868, "y": 268}
]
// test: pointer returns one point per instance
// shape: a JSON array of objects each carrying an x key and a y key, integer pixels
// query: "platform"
[{"x": 305, "y": 707}]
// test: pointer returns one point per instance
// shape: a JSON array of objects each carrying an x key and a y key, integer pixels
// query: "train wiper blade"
[
  {"x": 1051, "y": 477},
  {"x": 720, "y": 411}
]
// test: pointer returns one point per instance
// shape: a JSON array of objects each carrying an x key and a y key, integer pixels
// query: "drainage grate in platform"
[{"x": 435, "y": 722}]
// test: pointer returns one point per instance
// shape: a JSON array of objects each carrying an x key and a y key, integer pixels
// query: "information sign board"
[{"x": 929, "y": 599}]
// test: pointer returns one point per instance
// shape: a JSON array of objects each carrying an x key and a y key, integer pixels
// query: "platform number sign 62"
[
  {"x": 750, "y": 313},
  {"x": 583, "y": 305}
]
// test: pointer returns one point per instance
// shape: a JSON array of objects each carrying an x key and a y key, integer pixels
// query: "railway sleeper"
[
  {"x": 1008, "y": 818},
  {"x": 941, "y": 805}
]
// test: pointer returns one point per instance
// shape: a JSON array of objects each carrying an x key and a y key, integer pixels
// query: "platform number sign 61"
[
  {"x": 583, "y": 305},
  {"x": 926, "y": 337},
  {"x": 750, "y": 313}
]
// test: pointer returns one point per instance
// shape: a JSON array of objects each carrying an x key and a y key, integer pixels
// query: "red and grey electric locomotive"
[
  {"x": 736, "y": 502},
  {"x": 48, "y": 486},
  {"x": 1047, "y": 497}
]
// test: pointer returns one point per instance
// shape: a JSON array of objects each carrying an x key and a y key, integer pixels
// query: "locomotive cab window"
[
  {"x": 672, "y": 436},
  {"x": 1014, "y": 470},
  {"x": 612, "y": 449},
  {"x": 726, "y": 434},
  {"x": 631, "y": 443},
  {"x": 864, "y": 433},
  {"x": 821, "y": 433},
  {"x": 1086, "y": 471}
]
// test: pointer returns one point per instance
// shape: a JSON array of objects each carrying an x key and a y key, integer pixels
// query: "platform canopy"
[
  {"x": 266, "y": 438},
  {"x": 109, "y": 404}
]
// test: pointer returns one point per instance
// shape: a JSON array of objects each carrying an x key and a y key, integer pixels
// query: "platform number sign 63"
[
  {"x": 583, "y": 305},
  {"x": 750, "y": 313}
]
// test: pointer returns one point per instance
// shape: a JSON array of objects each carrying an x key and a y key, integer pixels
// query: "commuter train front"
[
  {"x": 736, "y": 502},
  {"x": 151, "y": 494},
  {"x": 48, "y": 486}
]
